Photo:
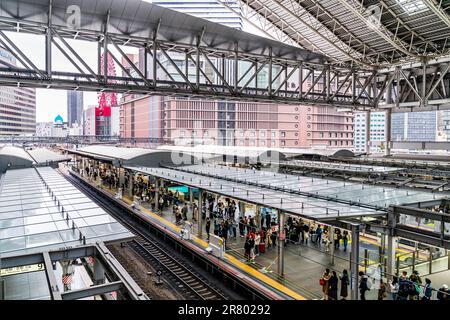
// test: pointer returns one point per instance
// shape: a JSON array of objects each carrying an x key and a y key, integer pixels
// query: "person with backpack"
[
  {"x": 414, "y": 287},
  {"x": 324, "y": 283},
  {"x": 403, "y": 287},
  {"x": 427, "y": 290},
  {"x": 363, "y": 286}
]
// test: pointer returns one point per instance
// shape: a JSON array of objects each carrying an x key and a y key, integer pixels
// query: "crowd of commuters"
[
  {"x": 262, "y": 235},
  {"x": 399, "y": 288}
]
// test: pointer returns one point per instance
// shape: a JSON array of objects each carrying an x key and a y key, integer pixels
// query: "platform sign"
[{"x": 22, "y": 269}]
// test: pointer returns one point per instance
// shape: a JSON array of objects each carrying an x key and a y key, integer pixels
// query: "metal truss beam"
[{"x": 438, "y": 11}]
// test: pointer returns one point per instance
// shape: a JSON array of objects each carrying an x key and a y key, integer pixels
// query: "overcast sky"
[{"x": 51, "y": 102}]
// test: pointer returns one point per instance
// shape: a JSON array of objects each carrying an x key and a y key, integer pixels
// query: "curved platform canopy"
[
  {"x": 255, "y": 154},
  {"x": 17, "y": 158},
  {"x": 120, "y": 156},
  {"x": 135, "y": 22},
  {"x": 14, "y": 158}
]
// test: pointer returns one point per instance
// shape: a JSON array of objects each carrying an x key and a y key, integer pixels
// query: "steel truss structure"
[
  {"x": 404, "y": 48},
  {"x": 119, "y": 279},
  {"x": 347, "y": 62},
  {"x": 205, "y": 45}
]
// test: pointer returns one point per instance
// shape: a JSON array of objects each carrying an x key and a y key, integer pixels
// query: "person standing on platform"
[
  {"x": 207, "y": 227},
  {"x": 269, "y": 237},
  {"x": 241, "y": 227},
  {"x": 333, "y": 286},
  {"x": 195, "y": 212},
  {"x": 257, "y": 242},
  {"x": 268, "y": 220},
  {"x": 427, "y": 290},
  {"x": 324, "y": 283},
  {"x": 393, "y": 287},
  {"x": 344, "y": 285},
  {"x": 319, "y": 232},
  {"x": 345, "y": 239},
  {"x": 184, "y": 212},
  {"x": 363, "y": 287},
  {"x": 382, "y": 294}
]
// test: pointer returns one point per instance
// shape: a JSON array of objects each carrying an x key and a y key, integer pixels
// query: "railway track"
[{"x": 186, "y": 280}]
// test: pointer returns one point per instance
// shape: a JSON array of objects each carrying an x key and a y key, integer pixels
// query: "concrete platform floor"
[{"x": 304, "y": 263}]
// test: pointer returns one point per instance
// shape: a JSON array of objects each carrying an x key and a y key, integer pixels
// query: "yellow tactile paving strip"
[{"x": 232, "y": 260}]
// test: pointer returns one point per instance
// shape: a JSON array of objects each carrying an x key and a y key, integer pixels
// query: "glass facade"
[{"x": 414, "y": 126}]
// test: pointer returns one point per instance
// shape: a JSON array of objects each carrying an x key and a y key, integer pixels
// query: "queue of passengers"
[{"x": 399, "y": 288}]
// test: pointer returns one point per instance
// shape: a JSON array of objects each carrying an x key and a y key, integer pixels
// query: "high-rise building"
[
  {"x": 17, "y": 105},
  {"x": 377, "y": 131},
  {"x": 190, "y": 121},
  {"x": 445, "y": 118},
  {"x": 74, "y": 107},
  {"x": 210, "y": 10},
  {"x": 414, "y": 126},
  {"x": 89, "y": 121}
]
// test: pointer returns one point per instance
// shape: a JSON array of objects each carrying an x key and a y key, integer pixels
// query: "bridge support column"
[
  {"x": 191, "y": 201},
  {"x": 281, "y": 237},
  {"x": 388, "y": 121},
  {"x": 368, "y": 122},
  {"x": 331, "y": 235},
  {"x": 354, "y": 263},
  {"x": 121, "y": 178},
  {"x": 390, "y": 243}
]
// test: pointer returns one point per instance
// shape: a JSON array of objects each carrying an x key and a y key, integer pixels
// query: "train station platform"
[
  {"x": 166, "y": 222},
  {"x": 305, "y": 263}
]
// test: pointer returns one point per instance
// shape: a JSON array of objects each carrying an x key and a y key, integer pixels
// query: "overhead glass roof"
[
  {"x": 34, "y": 218},
  {"x": 342, "y": 167},
  {"x": 309, "y": 207},
  {"x": 359, "y": 193}
]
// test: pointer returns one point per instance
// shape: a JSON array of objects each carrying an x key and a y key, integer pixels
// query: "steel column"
[
  {"x": 388, "y": 122},
  {"x": 281, "y": 236},
  {"x": 355, "y": 262}
]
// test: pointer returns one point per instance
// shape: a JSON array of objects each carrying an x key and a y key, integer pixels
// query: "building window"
[
  {"x": 206, "y": 133},
  {"x": 283, "y": 134},
  {"x": 273, "y": 143},
  {"x": 262, "y": 134},
  {"x": 273, "y": 134},
  {"x": 182, "y": 133},
  {"x": 283, "y": 143}
]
